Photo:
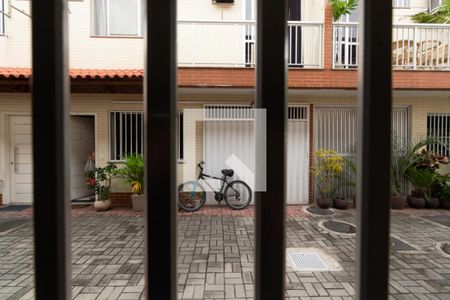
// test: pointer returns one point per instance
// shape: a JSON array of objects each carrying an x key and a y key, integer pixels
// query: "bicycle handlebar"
[{"x": 200, "y": 165}]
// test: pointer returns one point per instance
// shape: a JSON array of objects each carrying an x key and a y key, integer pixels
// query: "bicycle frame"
[{"x": 203, "y": 176}]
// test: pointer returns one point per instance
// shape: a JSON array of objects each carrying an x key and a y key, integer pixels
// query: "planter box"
[{"x": 138, "y": 202}]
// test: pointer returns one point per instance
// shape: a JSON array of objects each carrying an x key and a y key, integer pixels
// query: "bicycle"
[{"x": 192, "y": 195}]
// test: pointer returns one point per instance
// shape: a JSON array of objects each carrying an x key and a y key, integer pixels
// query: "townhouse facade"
[{"x": 216, "y": 78}]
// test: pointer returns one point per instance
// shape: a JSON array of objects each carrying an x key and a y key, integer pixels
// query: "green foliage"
[
  {"x": 422, "y": 179},
  {"x": 342, "y": 7},
  {"x": 133, "y": 172},
  {"x": 329, "y": 165},
  {"x": 441, "y": 15},
  {"x": 404, "y": 155},
  {"x": 99, "y": 180},
  {"x": 441, "y": 187}
]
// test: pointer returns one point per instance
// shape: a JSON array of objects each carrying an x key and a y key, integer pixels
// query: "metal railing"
[
  {"x": 414, "y": 46},
  {"x": 233, "y": 43}
]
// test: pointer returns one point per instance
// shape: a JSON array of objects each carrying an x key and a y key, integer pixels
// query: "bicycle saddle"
[{"x": 228, "y": 172}]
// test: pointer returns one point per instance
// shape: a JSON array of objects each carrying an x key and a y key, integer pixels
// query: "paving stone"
[{"x": 215, "y": 258}]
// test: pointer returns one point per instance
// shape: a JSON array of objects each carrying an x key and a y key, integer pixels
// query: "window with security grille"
[
  {"x": 126, "y": 134},
  {"x": 401, "y": 3},
  {"x": 117, "y": 18},
  {"x": 438, "y": 126}
]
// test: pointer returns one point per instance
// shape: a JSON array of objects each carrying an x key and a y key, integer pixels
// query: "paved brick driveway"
[{"x": 215, "y": 259}]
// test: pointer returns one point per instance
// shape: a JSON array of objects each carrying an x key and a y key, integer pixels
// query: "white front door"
[
  {"x": 297, "y": 161},
  {"x": 21, "y": 160},
  {"x": 82, "y": 143}
]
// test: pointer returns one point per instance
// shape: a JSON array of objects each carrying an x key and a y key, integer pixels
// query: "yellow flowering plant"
[{"x": 328, "y": 166}]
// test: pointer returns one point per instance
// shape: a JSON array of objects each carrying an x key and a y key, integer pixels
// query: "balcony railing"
[
  {"x": 233, "y": 43},
  {"x": 414, "y": 46}
]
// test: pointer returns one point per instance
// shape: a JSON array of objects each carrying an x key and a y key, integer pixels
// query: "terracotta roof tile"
[{"x": 16, "y": 73}]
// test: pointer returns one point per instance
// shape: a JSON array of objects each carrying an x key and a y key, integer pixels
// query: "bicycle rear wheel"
[
  {"x": 191, "y": 196},
  {"x": 238, "y": 194}
]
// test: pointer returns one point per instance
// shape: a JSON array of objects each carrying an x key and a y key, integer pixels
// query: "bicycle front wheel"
[
  {"x": 191, "y": 196},
  {"x": 238, "y": 194}
]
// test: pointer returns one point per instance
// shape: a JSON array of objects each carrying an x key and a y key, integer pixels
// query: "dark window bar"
[
  {"x": 50, "y": 102},
  {"x": 160, "y": 148},
  {"x": 271, "y": 78},
  {"x": 50, "y": 115},
  {"x": 375, "y": 105}
]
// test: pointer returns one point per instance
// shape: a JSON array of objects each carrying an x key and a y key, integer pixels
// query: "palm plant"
[
  {"x": 441, "y": 15},
  {"x": 403, "y": 157},
  {"x": 342, "y": 7},
  {"x": 133, "y": 172}
]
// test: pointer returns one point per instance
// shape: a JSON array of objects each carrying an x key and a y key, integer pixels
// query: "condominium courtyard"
[{"x": 215, "y": 254}]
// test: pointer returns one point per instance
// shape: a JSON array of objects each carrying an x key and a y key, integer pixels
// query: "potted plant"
[
  {"x": 342, "y": 7},
  {"x": 348, "y": 178},
  {"x": 440, "y": 15},
  {"x": 328, "y": 167},
  {"x": 405, "y": 154},
  {"x": 422, "y": 180},
  {"x": 441, "y": 189},
  {"x": 99, "y": 180},
  {"x": 133, "y": 172}
]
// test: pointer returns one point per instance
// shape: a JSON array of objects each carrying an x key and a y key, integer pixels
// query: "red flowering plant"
[{"x": 99, "y": 180}]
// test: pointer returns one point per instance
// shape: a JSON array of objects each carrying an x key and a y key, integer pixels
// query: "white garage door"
[
  {"x": 21, "y": 161},
  {"x": 230, "y": 131}
]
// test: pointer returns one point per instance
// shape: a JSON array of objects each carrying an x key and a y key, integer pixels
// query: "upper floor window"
[
  {"x": 2, "y": 16},
  {"x": 435, "y": 4},
  {"x": 117, "y": 17},
  {"x": 401, "y": 3}
]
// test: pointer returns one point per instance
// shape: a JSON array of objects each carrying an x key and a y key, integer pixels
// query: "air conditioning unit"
[{"x": 223, "y": 1}]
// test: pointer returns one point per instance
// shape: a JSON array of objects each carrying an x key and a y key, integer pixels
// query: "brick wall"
[
  {"x": 121, "y": 199},
  {"x": 309, "y": 78}
]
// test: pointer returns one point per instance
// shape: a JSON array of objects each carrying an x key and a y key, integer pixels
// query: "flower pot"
[
  {"x": 445, "y": 203},
  {"x": 416, "y": 202},
  {"x": 432, "y": 202},
  {"x": 102, "y": 205},
  {"x": 324, "y": 202},
  {"x": 340, "y": 203},
  {"x": 138, "y": 202},
  {"x": 398, "y": 202}
]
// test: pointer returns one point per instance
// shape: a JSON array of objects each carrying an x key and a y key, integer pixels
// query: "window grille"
[
  {"x": 438, "y": 126},
  {"x": 299, "y": 113},
  {"x": 2, "y": 17},
  {"x": 126, "y": 133},
  {"x": 401, "y": 3},
  {"x": 228, "y": 112},
  {"x": 117, "y": 18}
]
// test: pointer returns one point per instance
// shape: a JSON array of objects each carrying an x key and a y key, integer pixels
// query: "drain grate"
[
  {"x": 303, "y": 261},
  {"x": 319, "y": 211},
  {"x": 339, "y": 227}
]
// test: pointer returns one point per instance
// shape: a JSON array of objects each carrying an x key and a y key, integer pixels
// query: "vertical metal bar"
[
  {"x": 373, "y": 195},
  {"x": 271, "y": 82},
  {"x": 50, "y": 102},
  {"x": 160, "y": 148}
]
